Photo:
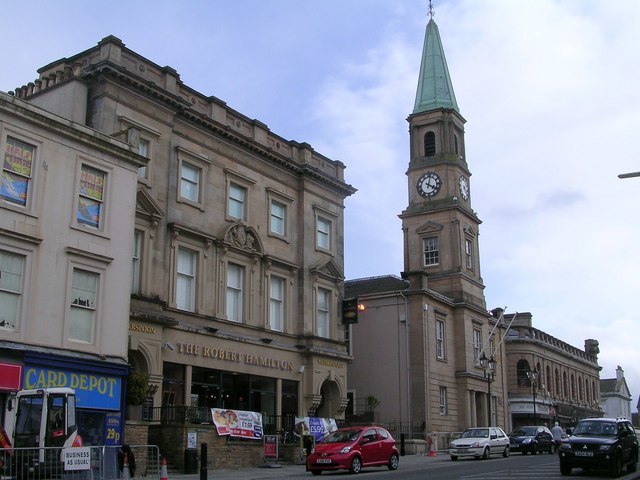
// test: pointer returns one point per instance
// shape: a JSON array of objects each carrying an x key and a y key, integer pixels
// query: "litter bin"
[{"x": 191, "y": 460}]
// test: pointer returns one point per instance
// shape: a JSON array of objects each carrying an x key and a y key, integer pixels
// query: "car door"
[
  {"x": 498, "y": 440},
  {"x": 370, "y": 447}
]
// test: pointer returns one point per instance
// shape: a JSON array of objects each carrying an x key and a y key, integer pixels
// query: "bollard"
[
  {"x": 203, "y": 461},
  {"x": 402, "y": 452}
]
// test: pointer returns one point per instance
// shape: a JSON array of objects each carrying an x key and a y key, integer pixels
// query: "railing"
[
  {"x": 103, "y": 463},
  {"x": 178, "y": 415}
]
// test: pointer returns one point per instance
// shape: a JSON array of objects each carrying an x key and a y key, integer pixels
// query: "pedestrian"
[
  {"x": 557, "y": 433},
  {"x": 125, "y": 451}
]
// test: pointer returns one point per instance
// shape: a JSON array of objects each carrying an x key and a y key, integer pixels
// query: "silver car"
[{"x": 480, "y": 442}]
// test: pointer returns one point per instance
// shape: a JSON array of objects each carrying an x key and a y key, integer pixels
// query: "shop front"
[{"x": 98, "y": 386}]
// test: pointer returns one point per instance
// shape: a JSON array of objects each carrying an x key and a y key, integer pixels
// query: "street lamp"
[
  {"x": 489, "y": 367},
  {"x": 533, "y": 377}
]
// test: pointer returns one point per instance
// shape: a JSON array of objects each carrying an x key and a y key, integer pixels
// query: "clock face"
[
  {"x": 464, "y": 187},
  {"x": 428, "y": 184}
]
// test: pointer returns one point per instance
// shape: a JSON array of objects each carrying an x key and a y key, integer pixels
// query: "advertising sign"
[
  {"x": 271, "y": 447},
  {"x": 237, "y": 423},
  {"x": 318, "y": 427}
]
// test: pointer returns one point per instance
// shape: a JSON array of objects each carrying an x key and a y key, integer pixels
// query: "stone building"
[
  {"x": 67, "y": 209},
  {"x": 446, "y": 362},
  {"x": 615, "y": 397},
  {"x": 548, "y": 379},
  {"x": 236, "y": 251},
  {"x": 427, "y": 330}
]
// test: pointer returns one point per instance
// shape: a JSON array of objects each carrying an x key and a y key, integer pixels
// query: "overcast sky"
[{"x": 549, "y": 90}]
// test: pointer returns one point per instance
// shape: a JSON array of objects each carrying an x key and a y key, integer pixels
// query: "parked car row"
[{"x": 594, "y": 444}]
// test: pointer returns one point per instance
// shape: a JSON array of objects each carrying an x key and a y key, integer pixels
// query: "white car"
[{"x": 480, "y": 442}]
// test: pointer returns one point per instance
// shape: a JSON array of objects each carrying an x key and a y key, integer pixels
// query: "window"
[
  {"x": 429, "y": 144},
  {"x": 135, "y": 270},
  {"x": 91, "y": 198},
  {"x": 323, "y": 233},
  {"x": 84, "y": 294},
  {"x": 431, "y": 252},
  {"x": 522, "y": 373},
  {"x": 443, "y": 400},
  {"x": 237, "y": 196},
  {"x": 468, "y": 253},
  {"x": 11, "y": 275},
  {"x": 477, "y": 335},
  {"x": 322, "y": 312},
  {"x": 16, "y": 171},
  {"x": 235, "y": 276},
  {"x": 186, "y": 280},
  {"x": 143, "y": 149},
  {"x": 278, "y": 218},
  {"x": 276, "y": 303},
  {"x": 440, "y": 339},
  {"x": 190, "y": 182}
]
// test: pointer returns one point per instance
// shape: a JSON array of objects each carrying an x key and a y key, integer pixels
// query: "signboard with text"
[
  {"x": 318, "y": 427},
  {"x": 237, "y": 423}
]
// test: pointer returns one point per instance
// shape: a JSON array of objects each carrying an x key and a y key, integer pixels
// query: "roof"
[
  {"x": 435, "y": 89},
  {"x": 608, "y": 385},
  {"x": 373, "y": 285}
]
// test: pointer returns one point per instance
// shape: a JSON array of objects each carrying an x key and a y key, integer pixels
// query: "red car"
[{"x": 353, "y": 448}]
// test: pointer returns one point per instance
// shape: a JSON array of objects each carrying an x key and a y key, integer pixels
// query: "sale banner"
[
  {"x": 316, "y": 426},
  {"x": 237, "y": 423}
]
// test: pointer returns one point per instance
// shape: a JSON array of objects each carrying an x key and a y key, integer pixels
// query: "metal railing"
[{"x": 102, "y": 463}]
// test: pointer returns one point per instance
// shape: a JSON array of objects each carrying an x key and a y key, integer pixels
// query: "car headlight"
[
  {"x": 475, "y": 445},
  {"x": 345, "y": 450},
  {"x": 565, "y": 446},
  {"x": 527, "y": 440}
]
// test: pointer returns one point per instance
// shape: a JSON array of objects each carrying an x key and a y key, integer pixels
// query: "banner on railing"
[
  {"x": 318, "y": 427},
  {"x": 237, "y": 423}
]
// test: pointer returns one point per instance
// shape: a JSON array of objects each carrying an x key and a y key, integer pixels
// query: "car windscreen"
[
  {"x": 524, "y": 431},
  {"x": 341, "y": 436},
  {"x": 476, "y": 433},
  {"x": 600, "y": 429}
]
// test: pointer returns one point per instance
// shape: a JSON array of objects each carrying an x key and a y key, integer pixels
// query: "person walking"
[{"x": 557, "y": 433}]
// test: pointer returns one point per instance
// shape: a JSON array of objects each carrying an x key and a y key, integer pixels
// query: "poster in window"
[
  {"x": 13, "y": 188},
  {"x": 316, "y": 426},
  {"x": 88, "y": 212},
  {"x": 237, "y": 423}
]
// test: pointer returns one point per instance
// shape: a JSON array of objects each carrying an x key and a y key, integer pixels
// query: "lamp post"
[
  {"x": 533, "y": 377},
  {"x": 489, "y": 367}
]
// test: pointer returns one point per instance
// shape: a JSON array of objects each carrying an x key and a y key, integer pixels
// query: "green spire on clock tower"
[{"x": 435, "y": 89}]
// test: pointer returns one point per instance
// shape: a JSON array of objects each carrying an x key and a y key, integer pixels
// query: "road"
[{"x": 412, "y": 467}]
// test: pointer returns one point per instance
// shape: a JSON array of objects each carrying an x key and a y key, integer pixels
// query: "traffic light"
[{"x": 350, "y": 309}]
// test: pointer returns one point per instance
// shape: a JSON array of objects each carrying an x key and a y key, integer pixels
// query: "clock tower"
[{"x": 440, "y": 228}]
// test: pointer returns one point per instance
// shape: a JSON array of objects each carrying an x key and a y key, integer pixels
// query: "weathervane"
[{"x": 431, "y": 10}]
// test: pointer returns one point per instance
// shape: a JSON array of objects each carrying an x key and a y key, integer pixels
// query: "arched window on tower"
[{"x": 429, "y": 144}]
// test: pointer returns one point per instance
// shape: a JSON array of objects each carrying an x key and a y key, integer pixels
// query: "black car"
[
  {"x": 600, "y": 444},
  {"x": 531, "y": 439}
]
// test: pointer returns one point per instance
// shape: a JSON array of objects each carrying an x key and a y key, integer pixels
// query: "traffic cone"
[
  {"x": 126, "y": 475},
  {"x": 163, "y": 469}
]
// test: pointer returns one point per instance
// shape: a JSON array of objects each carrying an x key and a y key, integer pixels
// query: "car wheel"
[
  {"x": 565, "y": 469},
  {"x": 356, "y": 465},
  {"x": 506, "y": 452},
  {"x": 454, "y": 458},
  {"x": 633, "y": 466},
  {"x": 486, "y": 453},
  {"x": 616, "y": 466},
  {"x": 393, "y": 462},
  {"x": 316, "y": 472}
]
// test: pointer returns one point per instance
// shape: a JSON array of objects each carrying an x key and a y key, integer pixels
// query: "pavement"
[{"x": 283, "y": 470}]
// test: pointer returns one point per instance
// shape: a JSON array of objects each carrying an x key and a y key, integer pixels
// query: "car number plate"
[
  {"x": 584, "y": 454},
  {"x": 324, "y": 460},
  {"x": 462, "y": 450}
]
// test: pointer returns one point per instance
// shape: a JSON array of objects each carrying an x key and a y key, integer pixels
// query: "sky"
[{"x": 549, "y": 90}]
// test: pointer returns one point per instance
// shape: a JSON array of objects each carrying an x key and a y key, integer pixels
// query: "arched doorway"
[{"x": 330, "y": 404}]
